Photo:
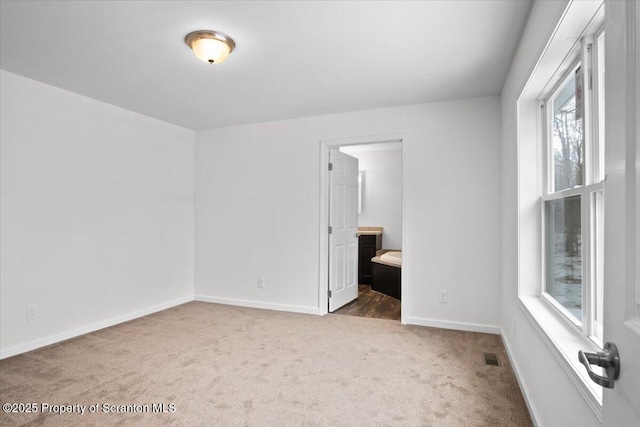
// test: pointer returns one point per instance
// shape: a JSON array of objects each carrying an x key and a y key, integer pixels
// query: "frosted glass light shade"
[
  {"x": 209, "y": 46},
  {"x": 210, "y": 50}
]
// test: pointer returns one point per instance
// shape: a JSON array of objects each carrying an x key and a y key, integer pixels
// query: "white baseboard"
[
  {"x": 42, "y": 342},
  {"x": 523, "y": 386},
  {"x": 258, "y": 304},
  {"x": 460, "y": 326}
]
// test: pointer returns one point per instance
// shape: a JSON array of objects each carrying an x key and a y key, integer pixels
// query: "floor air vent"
[{"x": 490, "y": 359}]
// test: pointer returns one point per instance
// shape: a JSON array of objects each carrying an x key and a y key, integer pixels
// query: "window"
[
  {"x": 561, "y": 192},
  {"x": 572, "y": 200}
]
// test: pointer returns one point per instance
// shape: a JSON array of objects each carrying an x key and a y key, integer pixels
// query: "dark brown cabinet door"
[{"x": 367, "y": 247}]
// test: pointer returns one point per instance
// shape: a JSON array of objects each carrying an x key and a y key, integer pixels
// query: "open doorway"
[{"x": 379, "y": 233}]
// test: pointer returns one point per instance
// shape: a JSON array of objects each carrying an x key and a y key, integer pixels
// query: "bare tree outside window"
[
  {"x": 564, "y": 249},
  {"x": 571, "y": 135},
  {"x": 568, "y": 139},
  {"x": 564, "y": 228}
]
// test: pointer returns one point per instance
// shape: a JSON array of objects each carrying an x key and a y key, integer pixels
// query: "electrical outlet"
[
  {"x": 261, "y": 283},
  {"x": 444, "y": 297},
  {"x": 31, "y": 312}
]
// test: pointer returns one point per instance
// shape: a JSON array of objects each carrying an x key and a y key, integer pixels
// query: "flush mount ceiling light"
[{"x": 210, "y": 46}]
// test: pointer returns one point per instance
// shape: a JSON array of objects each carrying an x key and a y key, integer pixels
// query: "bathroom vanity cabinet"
[{"x": 368, "y": 245}]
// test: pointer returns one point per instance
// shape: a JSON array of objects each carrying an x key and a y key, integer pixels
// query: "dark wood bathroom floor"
[{"x": 372, "y": 304}]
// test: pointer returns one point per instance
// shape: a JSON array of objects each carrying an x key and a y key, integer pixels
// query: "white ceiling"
[{"x": 292, "y": 59}]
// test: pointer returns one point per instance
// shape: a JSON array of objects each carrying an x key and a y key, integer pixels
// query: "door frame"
[{"x": 323, "y": 266}]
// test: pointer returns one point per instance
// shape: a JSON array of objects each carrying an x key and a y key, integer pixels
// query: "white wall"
[
  {"x": 555, "y": 399},
  {"x": 257, "y": 209},
  {"x": 96, "y": 211},
  {"x": 382, "y": 193}
]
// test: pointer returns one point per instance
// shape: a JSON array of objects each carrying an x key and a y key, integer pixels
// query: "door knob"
[{"x": 607, "y": 359}]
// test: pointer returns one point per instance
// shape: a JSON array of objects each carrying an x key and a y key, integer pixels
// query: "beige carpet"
[{"x": 230, "y": 366}]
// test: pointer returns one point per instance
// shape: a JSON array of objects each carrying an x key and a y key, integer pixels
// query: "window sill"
[{"x": 564, "y": 344}]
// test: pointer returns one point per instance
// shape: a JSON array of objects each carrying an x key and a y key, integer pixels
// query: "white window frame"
[
  {"x": 583, "y": 55},
  {"x": 562, "y": 337}
]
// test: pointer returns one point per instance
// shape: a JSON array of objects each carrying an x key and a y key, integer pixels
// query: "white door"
[
  {"x": 621, "y": 405},
  {"x": 343, "y": 224}
]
